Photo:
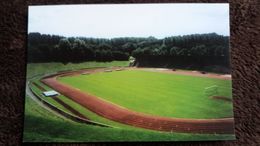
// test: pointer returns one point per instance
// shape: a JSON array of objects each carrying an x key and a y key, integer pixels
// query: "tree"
[
  {"x": 174, "y": 51},
  {"x": 129, "y": 47},
  {"x": 198, "y": 51},
  {"x": 64, "y": 50}
]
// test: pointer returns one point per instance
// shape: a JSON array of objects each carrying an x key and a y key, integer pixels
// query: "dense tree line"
[
  {"x": 49, "y": 48},
  {"x": 192, "y": 51}
]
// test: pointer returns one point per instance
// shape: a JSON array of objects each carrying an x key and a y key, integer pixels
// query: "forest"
[{"x": 197, "y": 51}]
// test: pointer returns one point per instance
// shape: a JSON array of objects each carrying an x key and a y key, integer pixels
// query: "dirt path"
[
  {"x": 190, "y": 73},
  {"x": 123, "y": 115}
]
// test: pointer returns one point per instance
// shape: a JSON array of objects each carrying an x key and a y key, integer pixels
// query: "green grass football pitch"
[{"x": 155, "y": 93}]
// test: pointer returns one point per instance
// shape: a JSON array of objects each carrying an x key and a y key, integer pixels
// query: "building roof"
[{"x": 50, "y": 93}]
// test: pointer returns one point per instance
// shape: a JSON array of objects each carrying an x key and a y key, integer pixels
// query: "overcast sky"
[{"x": 129, "y": 20}]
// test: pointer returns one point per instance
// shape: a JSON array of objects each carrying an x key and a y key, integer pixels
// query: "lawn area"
[{"x": 157, "y": 93}]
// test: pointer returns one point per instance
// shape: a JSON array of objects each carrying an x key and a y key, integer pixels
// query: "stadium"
[{"x": 148, "y": 98}]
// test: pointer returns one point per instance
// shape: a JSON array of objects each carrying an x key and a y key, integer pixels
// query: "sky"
[{"x": 129, "y": 20}]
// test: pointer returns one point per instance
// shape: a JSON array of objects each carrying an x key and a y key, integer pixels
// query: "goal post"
[{"x": 211, "y": 91}]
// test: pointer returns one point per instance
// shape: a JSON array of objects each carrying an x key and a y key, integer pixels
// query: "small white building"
[
  {"x": 50, "y": 93},
  {"x": 108, "y": 70},
  {"x": 85, "y": 73},
  {"x": 119, "y": 69}
]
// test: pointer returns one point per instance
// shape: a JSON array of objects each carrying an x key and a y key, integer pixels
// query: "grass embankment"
[
  {"x": 44, "y": 68},
  {"x": 156, "y": 93},
  {"x": 43, "y": 126}
]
